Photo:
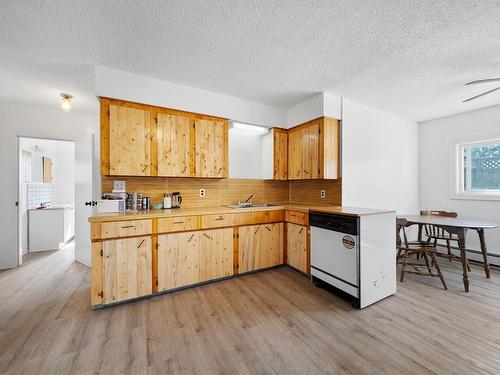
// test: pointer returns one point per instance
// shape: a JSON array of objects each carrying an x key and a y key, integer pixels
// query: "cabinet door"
[
  {"x": 280, "y": 153},
  {"x": 174, "y": 145},
  {"x": 216, "y": 253},
  {"x": 211, "y": 148},
  {"x": 126, "y": 269},
  {"x": 249, "y": 248},
  {"x": 260, "y": 246},
  {"x": 129, "y": 141},
  {"x": 311, "y": 150},
  {"x": 179, "y": 256},
  {"x": 271, "y": 240},
  {"x": 295, "y": 170},
  {"x": 297, "y": 246}
]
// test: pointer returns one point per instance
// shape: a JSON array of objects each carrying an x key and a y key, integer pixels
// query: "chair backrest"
[
  {"x": 431, "y": 230},
  {"x": 401, "y": 223},
  {"x": 438, "y": 213}
]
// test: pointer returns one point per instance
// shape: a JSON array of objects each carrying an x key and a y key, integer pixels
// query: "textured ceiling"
[{"x": 406, "y": 57}]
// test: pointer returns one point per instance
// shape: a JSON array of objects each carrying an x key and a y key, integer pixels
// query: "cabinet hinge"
[
  {"x": 156, "y": 282},
  {"x": 101, "y": 294},
  {"x": 101, "y": 253},
  {"x": 157, "y": 245}
]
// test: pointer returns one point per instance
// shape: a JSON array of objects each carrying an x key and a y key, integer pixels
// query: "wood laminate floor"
[{"x": 274, "y": 322}]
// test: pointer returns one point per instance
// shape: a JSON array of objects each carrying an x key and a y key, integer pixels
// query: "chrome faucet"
[{"x": 248, "y": 200}]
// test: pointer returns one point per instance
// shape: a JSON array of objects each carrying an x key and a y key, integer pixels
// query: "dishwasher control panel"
[{"x": 336, "y": 223}]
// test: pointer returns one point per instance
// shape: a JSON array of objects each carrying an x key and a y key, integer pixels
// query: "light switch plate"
[
  {"x": 322, "y": 194},
  {"x": 202, "y": 193}
]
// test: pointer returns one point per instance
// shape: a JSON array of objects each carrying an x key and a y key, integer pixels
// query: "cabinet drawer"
[
  {"x": 177, "y": 224},
  {"x": 297, "y": 217},
  {"x": 218, "y": 220},
  {"x": 262, "y": 217},
  {"x": 126, "y": 228}
]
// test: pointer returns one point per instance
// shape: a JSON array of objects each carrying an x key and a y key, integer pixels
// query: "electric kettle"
[{"x": 176, "y": 199}]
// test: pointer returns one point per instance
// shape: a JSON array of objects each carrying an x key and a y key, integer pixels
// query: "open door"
[{"x": 84, "y": 197}]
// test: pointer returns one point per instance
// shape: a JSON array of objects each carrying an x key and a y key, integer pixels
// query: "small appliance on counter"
[
  {"x": 111, "y": 205},
  {"x": 167, "y": 201},
  {"x": 176, "y": 199}
]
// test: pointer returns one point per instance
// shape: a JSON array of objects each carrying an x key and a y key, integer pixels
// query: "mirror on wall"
[{"x": 36, "y": 167}]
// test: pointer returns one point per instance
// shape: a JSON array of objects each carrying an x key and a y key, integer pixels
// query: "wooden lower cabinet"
[
  {"x": 297, "y": 240},
  {"x": 192, "y": 257},
  {"x": 260, "y": 246},
  {"x": 127, "y": 269}
]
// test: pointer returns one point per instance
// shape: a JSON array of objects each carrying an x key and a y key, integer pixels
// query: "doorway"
[{"x": 46, "y": 195}]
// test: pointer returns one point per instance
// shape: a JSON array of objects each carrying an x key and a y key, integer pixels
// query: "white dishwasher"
[
  {"x": 355, "y": 253},
  {"x": 335, "y": 251}
]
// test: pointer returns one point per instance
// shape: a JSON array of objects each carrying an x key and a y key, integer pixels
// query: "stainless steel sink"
[{"x": 250, "y": 205}]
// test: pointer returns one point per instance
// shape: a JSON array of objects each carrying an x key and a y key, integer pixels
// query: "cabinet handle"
[
  {"x": 144, "y": 169},
  {"x": 298, "y": 172},
  {"x": 306, "y": 172},
  {"x": 219, "y": 218},
  {"x": 178, "y": 222},
  {"x": 300, "y": 231},
  {"x": 128, "y": 226},
  {"x": 184, "y": 170},
  {"x": 256, "y": 230},
  {"x": 268, "y": 228},
  {"x": 206, "y": 235},
  {"x": 220, "y": 169},
  {"x": 141, "y": 244},
  {"x": 190, "y": 238}
]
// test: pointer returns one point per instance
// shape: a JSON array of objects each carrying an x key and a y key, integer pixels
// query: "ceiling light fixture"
[
  {"x": 249, "y": 127},
  {"x": 66, "y": 102}
]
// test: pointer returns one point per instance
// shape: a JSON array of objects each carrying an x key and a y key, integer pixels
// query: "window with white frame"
[{"x": 478, "y": 167}]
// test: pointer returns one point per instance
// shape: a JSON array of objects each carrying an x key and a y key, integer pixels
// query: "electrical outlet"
[
  {"x": 322, "y": 194},
  {"x": 202, "y": 193}
]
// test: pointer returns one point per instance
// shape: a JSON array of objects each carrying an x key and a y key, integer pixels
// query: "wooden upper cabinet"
[
  {"x": 280, "y": 154},
  {"x": 144, "y": 140},
  {"x": 313, "y": 150},
  {"x": 211, "y": 147},
  {"x": 174, "y": 145},
  {"x": 129, "y": 141}
]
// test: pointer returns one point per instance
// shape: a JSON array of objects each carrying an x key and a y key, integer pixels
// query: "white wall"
[
  {"x": 245, "y": 154},
  {"x": 24, "y": 120},
  {"x": 323, "y": 104},
  {"x": 128, "y": 86},
  {"x": 64, "y": 178},
  {"x": 436, "y": 137},
  {"x": 379, "y": 159}
]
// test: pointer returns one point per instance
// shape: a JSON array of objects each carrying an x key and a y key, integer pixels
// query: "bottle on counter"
[
  {"x": 167, "y": 201},
  {"x": 145, "y": 203},
  {"x": 139, "y": 201}
]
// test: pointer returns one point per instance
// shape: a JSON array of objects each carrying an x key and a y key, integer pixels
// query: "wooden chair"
[
  {"x": 435, "y": 233},
  {"x": 405, "y": 249}
]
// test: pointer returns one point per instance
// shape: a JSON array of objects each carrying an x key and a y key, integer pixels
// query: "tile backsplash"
[{"x": 39, "y": 193}]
